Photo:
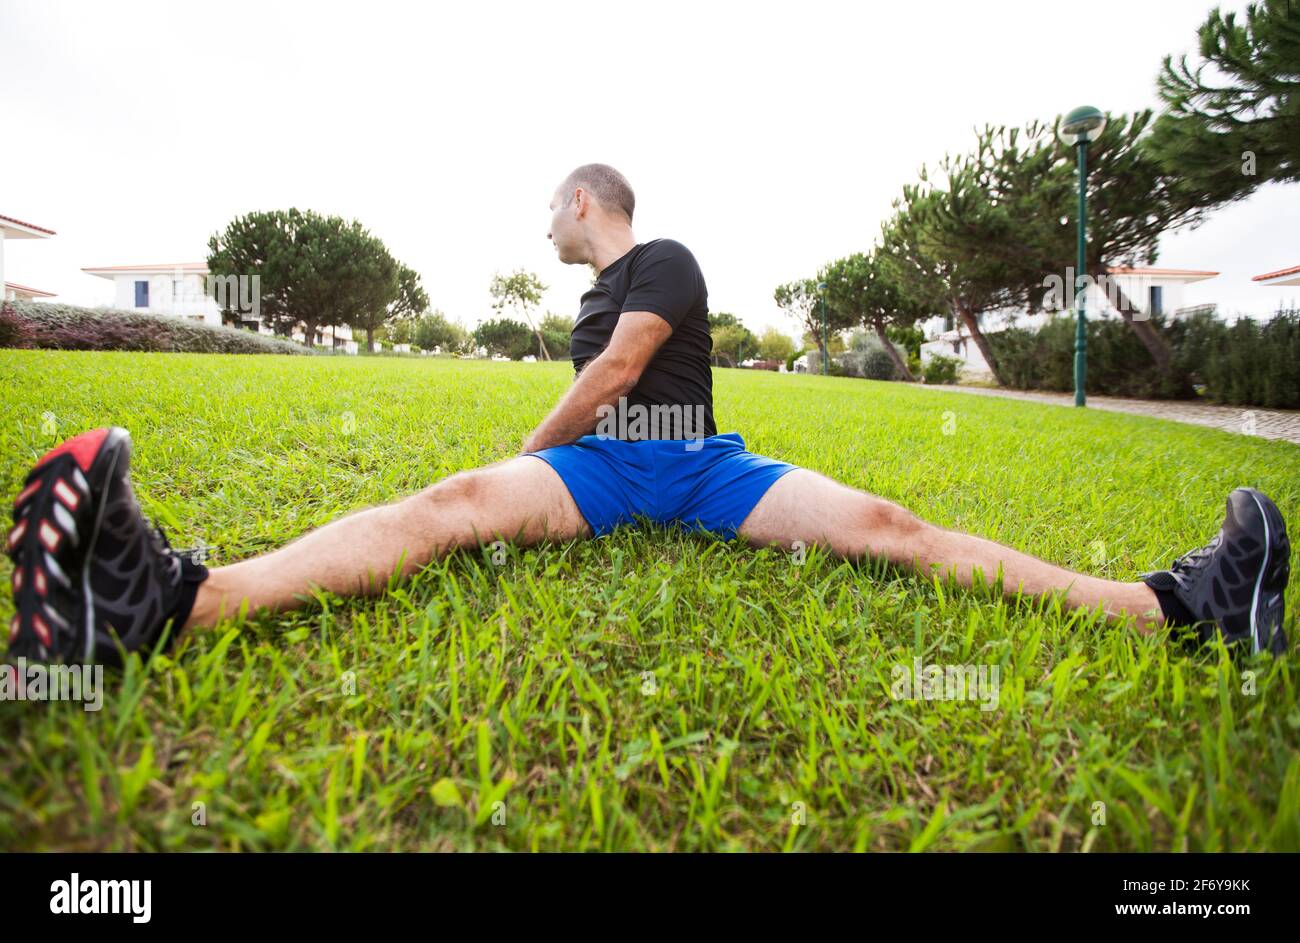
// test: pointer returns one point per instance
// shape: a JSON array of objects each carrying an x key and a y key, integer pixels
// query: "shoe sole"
[
  {"x": 118, "y": 441},
  {"x": 99, "y": 454},
  {"x": 1274, "y": 530}
]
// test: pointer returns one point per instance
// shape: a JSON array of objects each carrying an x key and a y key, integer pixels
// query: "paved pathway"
[{"x": 1269, "y": 423}]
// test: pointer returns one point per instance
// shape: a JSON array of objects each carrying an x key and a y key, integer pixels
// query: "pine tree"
[{"x": 1232, "y": 120}]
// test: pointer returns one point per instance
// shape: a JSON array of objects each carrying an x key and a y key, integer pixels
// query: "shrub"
[
  {"x": 509, "y": 338},
  {"x": 435, "y": 329},
  {"x": 867, "y": 357},
  {"x": 14, "y": 331},
  {"x": 556, "y": 330},
  {"x": 940, "y": 369},
  {"x": 1247, "y": 363},
  {"x": 68, "y": 327},
  {"x": 914, "y": 364},
  {"x": 1118, "y": 363},
  {"x": 878, "y": 365}
]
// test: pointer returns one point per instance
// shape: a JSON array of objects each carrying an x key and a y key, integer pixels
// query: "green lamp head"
[{"x": 1082, "y": 125}]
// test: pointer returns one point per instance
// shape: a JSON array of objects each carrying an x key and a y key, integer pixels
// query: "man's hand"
[{"x": 614, "y": 373}]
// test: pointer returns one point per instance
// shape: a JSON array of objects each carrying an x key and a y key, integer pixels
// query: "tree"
[
  {"x": 399, "y": 332},
  {"x": 1225, "y": 134},
  {"x": 520, "y": 291},
  {"x": 434, "y": 329},
  {"x": 315, "y": 270},
  {"x": 910, "y": 338},
  {"x": 928, "y": 272},
  {"x": 1004, "y": 221},
  {"x": 266, "y": 245},
  {"x": 505, "y": 337},
  {"x": 556, "y": 331},
  {"x": 799, "y": 299},
  {"x": 837, "y": 343},
  {"x": 410, "y": 301},
  {"x": 732, "y": 343},
  {"x": 719, "y": 319},
  {"x": 773, "y": 345},
  {"x": 379, "y": 290},
  {"x": 1132, "y": 201},
  {"x": 865, "y": 289}
]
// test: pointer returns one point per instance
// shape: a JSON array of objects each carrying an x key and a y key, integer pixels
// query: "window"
[
  {"x": 178, "y": 289},
  {"x": 1155, "y": 298},
  {"x": 142, "y": 294}
]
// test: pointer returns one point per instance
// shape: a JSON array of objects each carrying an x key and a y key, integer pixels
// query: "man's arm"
[{"x": 611, "y": 374}]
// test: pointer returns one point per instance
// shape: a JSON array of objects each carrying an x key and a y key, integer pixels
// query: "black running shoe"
[
  {"x": 89, "y": 571},
  {"x": 1236, "y": 583}
]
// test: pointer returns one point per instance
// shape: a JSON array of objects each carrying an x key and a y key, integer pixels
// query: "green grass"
[{"x": 649, "y": 690}]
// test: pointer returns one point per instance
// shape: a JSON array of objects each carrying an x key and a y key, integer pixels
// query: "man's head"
[{"x": 593, "y": 205}]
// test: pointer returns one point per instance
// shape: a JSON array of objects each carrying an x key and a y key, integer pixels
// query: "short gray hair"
[{"x": 610, "y": 187}]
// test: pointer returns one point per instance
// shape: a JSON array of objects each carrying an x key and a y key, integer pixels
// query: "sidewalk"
[{"x": 1250, "y": 420}]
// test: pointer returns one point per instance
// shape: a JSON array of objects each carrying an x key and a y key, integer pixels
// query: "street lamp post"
[
  {"x": 826, "y": 344},
  {"x": 1079, "y": 127}
]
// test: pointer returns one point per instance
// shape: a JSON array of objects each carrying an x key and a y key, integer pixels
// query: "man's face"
[{"x": 566, "y": 232}]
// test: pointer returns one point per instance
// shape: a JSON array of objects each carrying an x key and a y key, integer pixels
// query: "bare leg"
[
  {"x": 521, "y": 499},
  {"x": 806, "y": 506}
]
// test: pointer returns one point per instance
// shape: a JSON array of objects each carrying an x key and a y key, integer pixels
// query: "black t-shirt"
[{"x": 660, "y": 276}]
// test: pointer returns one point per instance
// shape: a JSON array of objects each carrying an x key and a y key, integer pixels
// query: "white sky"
[{"x": 768, "y": 137}]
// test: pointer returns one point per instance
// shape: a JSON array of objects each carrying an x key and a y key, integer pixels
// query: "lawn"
[{"x": 649, "y": 690}]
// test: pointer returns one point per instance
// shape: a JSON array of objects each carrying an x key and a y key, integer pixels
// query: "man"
[{"x": 90, "y": 571}]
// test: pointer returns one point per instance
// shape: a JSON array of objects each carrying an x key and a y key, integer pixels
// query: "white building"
[
  {"x": 11, "y": 228},
  {"x": 1151, "y": 290},
  {"x": 179, "y": 289},
  {"x": 339, "y": 338}
]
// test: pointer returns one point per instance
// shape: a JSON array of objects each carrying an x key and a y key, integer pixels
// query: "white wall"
[{"x": 192, "y": 300}]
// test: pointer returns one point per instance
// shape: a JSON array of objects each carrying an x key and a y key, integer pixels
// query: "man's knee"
[
  {"x": 466, "y": 487},
  {"x": 888, "y": 524},
  {"x": 459, "y": 492}
]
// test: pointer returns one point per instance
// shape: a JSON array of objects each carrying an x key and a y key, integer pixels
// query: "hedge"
[
  {"x": 1248, "y": 363},
  {"x": 69, "y": 327}
]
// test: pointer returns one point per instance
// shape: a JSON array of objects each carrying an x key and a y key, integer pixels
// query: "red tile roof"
[
  {"x": 1280, "y": 272},
  {"x": 10, "y": 219},
  {"x": 1126, "y": 270},
  {"x": 14, "y": 286},
  {"x": 162, "y": 267}
]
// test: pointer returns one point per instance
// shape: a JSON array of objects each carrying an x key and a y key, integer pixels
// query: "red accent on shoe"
[
  {"x": 63, "y": 491},
  {"x": 16, "y": 534},
  {"x": 50, "y": 536},
  {"x": 27, "y": 492},
  {"x": 82, "y": 447},
  {"x": 42, "y": 630},
  {"x": 13, "y": 629},
  {"x": 18, "y": 580},
  {"x": 40, "y": 582}
]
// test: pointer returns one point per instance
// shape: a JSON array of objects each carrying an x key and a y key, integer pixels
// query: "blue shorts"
[{"x": 700, "y": 484}]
